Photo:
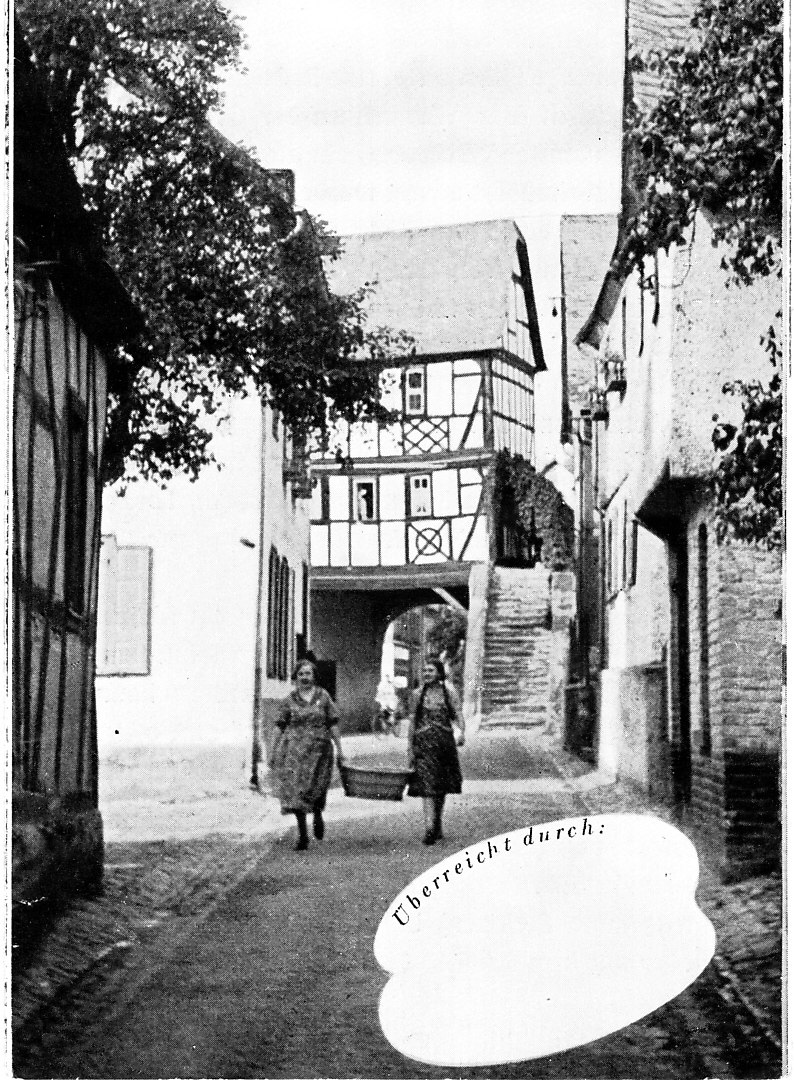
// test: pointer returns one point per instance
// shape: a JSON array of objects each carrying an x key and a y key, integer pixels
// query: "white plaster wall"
[
  {"x": 610, "y": 726},
  {"x": 634, "y": 445},
  {"x": 200, "y": 689},
  {"x": 287, "y": 525},
  {"x": 716, "y": 338}
]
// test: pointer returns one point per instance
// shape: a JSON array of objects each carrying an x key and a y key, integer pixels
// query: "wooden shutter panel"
[{"x": 126, "y": 639}]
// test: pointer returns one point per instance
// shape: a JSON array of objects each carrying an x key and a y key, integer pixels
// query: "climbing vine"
[
  {"x": 714, "y": 143},
  {"x": 714, "y": 140},
  {"x": 749, "y": 478},
  {"x": 525, "y": 498}
]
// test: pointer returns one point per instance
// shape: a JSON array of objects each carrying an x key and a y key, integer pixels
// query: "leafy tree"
[
  {"x": 714, "y": 143},
  {"x": 749, "y": 477},
  {"x": 714, "y": 140},
  {"x": 446, "y": 631},
  {"x": 229, "y": 282},
  {"x": 446, "y": 637}
]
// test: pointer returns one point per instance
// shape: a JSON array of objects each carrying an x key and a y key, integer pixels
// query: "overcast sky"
[{"x": 426, "y": 112}]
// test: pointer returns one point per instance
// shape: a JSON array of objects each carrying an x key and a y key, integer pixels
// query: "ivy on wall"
[
  {"x": 713, "y": 143},
  {"x": 522, "y": 494}
]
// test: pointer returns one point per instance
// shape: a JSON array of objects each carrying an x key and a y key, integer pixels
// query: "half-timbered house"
[
  {"x": 405, "y": 509},
  {"x": 70, "y": 310}
]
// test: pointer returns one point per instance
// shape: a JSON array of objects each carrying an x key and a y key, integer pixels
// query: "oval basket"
[{"x": 362, "y": 783}]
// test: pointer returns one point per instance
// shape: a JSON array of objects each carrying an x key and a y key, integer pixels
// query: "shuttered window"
[
  {"x": 280, "y": 618},
  {"x": 124, "y": 616}
]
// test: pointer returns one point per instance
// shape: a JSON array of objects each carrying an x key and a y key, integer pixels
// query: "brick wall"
[{"x": 735, "y": 626}]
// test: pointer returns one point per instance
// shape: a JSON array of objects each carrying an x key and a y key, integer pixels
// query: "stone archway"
[{"x": 348, "y": 627}]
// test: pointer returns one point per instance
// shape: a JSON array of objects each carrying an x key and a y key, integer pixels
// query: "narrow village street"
[
  {"x": 397, "y": 387},
  {"x": 222, "y": 952}
]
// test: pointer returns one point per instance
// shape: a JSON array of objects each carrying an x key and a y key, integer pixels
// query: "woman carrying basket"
[
  {"x": 436, "y": 730},
  {"x": 303, "y": 756}
]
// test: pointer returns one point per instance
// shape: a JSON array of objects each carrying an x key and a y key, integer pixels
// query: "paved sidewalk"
[{"x": 153, "y": 875}]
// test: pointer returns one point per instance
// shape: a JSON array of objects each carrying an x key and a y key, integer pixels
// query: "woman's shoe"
[
  {"x": 302, "y": 844},
  {"x": 430, "y": 837},
  {"x": 319, "y": 826}
]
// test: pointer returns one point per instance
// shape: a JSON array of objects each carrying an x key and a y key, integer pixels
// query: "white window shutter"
[{"x": 124, "y": 646}]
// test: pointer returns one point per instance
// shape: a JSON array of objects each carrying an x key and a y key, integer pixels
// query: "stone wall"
[
  {"x": 736, "y": 700},
  {"x": 56, "y": 852},
  {"x": 475, "y": 646}
]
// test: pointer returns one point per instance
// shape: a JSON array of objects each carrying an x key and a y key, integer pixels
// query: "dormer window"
[{"x": 415, "y": 391}]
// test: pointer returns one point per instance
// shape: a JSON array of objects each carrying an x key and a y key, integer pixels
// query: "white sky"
[{"x": 428, "y": 112}]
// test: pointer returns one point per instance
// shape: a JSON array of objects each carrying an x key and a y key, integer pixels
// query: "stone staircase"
[{"x": 516, "y": 685}]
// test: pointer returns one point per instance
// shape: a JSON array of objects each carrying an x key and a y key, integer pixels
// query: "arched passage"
[{"x": 347, "y": 630}]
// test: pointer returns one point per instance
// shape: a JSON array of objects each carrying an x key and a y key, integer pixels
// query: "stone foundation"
[{"x": 57, "y": 852}]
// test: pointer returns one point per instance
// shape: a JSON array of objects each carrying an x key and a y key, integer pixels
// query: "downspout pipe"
[{"x": 256, "y": 752}]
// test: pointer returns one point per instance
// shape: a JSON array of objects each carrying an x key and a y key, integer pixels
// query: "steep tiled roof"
[
  {"x": 449, "y": 287},
  {"x": 586, "y": 243},
  {"x": 655, "y": 24}
]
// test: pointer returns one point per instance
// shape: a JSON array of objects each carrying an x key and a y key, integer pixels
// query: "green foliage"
[
  {"x": 749, "y": 479},
  {"x": 714, "y": 140},
  {"x": 446, "y": 638},
  {"x": 233, "y": 295},
  {"x": 526, "y": 498},
  {"x": 446, "y": 630}
]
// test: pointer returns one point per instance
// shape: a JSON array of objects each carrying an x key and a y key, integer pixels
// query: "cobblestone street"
[{"x": 231, "y": 955}]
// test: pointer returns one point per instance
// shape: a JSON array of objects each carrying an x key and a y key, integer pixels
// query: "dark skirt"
[{"x": 436, "y": 763}]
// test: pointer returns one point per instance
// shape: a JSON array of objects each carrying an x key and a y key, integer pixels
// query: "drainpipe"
[{"x": 255, "y": 743}]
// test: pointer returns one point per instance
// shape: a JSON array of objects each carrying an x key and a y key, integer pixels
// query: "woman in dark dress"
[
  {"x": 303, "y": 756},
  {"x": 436, "y": 730}
]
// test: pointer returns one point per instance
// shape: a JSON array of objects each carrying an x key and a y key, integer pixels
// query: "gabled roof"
[
  {"x": 650, "y": 24},
  {"x": 586, "y": 243},
  {"x": 449, "y": 287}
]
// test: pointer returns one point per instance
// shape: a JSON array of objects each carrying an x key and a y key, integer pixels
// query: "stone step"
[
  {"x": 517, "y": 611},
  {"x": 506, "y": 664},
  {"x": 517, "y": 721},
  {"x": 531, "y": 704},
  {"x": 534, "y": 622},
  {"x": 508, "y": 667},
  {"x": 502, "y": 682},
  {"x": 526, "y": 686},
  {"x": 515, "y": 624},
  {"x": 514, "y": 639}
]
